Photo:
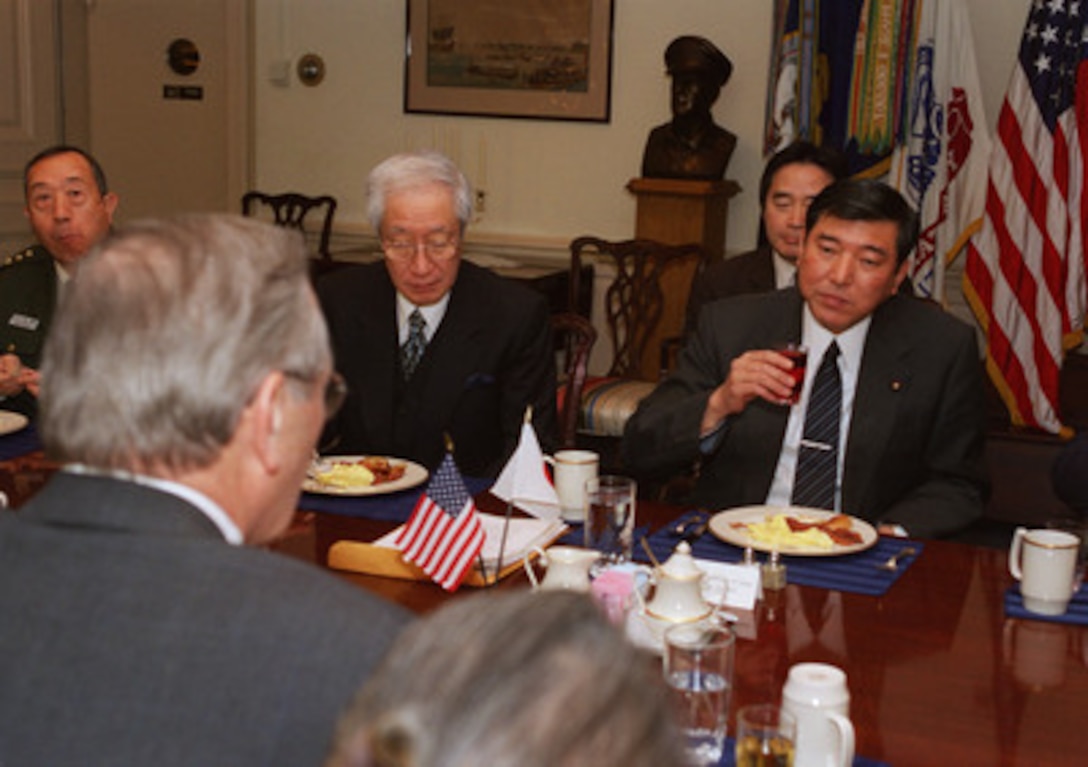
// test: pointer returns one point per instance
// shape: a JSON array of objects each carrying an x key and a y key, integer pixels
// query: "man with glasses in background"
[
  {"x": 428, "y": 343},
  {"x": 184, "y": 385}
]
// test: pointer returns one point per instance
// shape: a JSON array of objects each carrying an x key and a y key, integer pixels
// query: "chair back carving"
[
  {"x": 646, "y": 300},
  {"x": 574, "y": 338},
  {"x": 293, "y": 211}
]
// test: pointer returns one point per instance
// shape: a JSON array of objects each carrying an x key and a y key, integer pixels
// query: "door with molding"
[
  {"x": 29, "y": 104},
  {"x": 96, "y": 73},
  {"x": 170, "y": 141}
]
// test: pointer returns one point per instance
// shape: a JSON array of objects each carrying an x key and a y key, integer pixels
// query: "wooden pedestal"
[{"x": 678, "y": 212}]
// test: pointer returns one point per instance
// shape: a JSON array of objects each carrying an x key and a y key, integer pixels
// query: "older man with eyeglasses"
[
  {"x": 428, "y": 343},
  {"x": 184, "y": 385}
]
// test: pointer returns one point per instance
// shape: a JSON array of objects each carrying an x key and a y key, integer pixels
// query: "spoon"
[
  {"x": 891, "y": 564},
  {"x": 691, "y": 528},
  {"x": 650, "y": 553}
]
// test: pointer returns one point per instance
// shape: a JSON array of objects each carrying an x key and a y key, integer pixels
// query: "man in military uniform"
[{"x": 70, "y": 209}]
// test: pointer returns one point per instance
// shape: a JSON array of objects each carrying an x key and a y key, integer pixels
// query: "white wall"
[{"x": 546, "y": 181}]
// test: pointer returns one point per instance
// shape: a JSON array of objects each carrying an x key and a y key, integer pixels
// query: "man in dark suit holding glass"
[{"x": 907, "y": 449}]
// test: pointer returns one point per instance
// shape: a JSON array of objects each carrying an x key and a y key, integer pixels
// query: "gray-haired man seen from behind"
[{"x": 185, "y": 381}]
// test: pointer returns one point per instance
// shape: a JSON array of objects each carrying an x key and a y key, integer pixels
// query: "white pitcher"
[{"x": 566, "y": 567}]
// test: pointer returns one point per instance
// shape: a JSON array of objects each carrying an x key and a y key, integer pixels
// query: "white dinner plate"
[
  {"x": 11, "y": 422},
  {"x": 414, "y": 474},
  {"x": 725, "y": 525}
]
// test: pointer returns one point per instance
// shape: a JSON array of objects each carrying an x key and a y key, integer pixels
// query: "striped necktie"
[
  {"x": 412, "y": 351},
  {"x": 818, "y": 457}
]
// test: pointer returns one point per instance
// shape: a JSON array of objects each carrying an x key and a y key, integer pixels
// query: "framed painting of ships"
[{"x": 544, "y": 59}]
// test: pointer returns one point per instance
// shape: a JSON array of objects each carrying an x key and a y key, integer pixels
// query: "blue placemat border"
[
  {"x": 1076, "y": 614},
  {"x": 19, "y": 443},
  {"x": 854, "y": 573},
  {"x": 388, "y": 507}
]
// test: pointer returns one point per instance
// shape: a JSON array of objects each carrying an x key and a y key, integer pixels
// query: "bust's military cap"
[{"x": 690, "y": 53}]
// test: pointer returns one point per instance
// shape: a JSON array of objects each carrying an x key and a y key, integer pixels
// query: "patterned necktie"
[
  {"x": 818, "y": 457},
  {"x": 412, "y": 351}
]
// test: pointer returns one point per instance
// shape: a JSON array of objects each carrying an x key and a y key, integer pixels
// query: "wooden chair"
[
  {"x": 643, "y": 306},
  {"x": 293, "y": 211},
  {"x": 574, "y": 336}
]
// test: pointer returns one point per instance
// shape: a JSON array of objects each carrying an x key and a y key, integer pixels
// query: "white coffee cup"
[
  {"x": 817, "y": 697},
  {"x": 567, "y": 567},
  {"x": 1045, "y": 563},
  {"x": 571, "y": 469}
]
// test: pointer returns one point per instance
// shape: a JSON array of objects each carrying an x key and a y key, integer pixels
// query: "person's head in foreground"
[
  {"x": 858, "y": 234},
  {"x": 516, "y": 679},
  {"x": 192, "y": 349}
]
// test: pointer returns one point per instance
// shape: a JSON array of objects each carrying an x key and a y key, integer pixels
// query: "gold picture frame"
[{"x": 539, "y": 59}]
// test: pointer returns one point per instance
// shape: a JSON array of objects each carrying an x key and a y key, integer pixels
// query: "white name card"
[{"x": 741, "y": 584}]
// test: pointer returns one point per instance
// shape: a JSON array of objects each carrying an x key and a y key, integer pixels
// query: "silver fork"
[{"x": 891, "y": 564}]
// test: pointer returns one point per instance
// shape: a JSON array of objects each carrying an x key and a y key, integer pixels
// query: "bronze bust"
[{"x": 691, "y": 145}]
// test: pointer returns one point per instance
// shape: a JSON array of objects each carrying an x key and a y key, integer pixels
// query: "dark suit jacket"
[
  {"x": 914, "y": 452},
  {"x": 132, "y": 633},
  {"x": 1070, "y": 474},
  {"x": 492, "y": 356},
  {"x": 28, "y": 298},
  {"x": 751, "y": 272}
]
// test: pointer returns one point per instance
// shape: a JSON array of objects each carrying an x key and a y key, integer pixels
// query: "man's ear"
[
  {"x": 110, "y": 200},
  {"x": 901, "y": 274},
  {"x": 264, "y": 416}
]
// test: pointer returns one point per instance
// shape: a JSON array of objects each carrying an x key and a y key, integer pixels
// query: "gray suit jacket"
[
  {"x": 914, "y": 454},
  {"x": 492, "y": 356},
  {"x": 132, "y": 634}
]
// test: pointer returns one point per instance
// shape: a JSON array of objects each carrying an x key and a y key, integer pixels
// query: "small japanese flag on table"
[
  {"x": 444, "y": 534},
  {"x": 524, "y": 482}
]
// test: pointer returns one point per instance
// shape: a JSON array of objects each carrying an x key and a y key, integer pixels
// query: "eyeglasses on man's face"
[
  {"x": 440, "y": 246},
  {"x": 334, "y": 394},
  {"x": 336, "y": 391}
]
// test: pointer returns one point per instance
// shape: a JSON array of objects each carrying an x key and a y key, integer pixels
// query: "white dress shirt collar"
[
  {"x": 785, "y": 271},
  {"x": 817, "y": 338},
  {"x": 433, "y": 314}
]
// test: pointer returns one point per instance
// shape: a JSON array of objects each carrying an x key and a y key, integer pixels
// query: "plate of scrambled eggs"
[
  {"x": 793, "y": 530},
  {"x": 362, "y": 475}
]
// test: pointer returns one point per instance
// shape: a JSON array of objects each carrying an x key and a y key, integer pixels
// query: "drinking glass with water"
[{"x": 698, "y": 663}]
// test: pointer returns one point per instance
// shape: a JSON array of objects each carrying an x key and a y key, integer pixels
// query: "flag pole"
[
  {"x": 480, "y": 556},
  {"x": 509, "y": 511}
]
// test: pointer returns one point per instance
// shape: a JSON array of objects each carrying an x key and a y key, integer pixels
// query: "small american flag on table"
[{"x": 444, "y": 534}]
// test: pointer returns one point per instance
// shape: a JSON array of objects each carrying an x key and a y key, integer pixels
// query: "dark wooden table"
[{"x": 937, "y": 673}]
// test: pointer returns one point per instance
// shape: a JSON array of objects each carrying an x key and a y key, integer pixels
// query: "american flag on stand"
[
  {"x": 1025, "y": 270},
  {"x": 444, "y": 535}
]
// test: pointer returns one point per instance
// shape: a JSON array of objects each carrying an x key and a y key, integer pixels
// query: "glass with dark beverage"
[{"x": 798, "y": 354}]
